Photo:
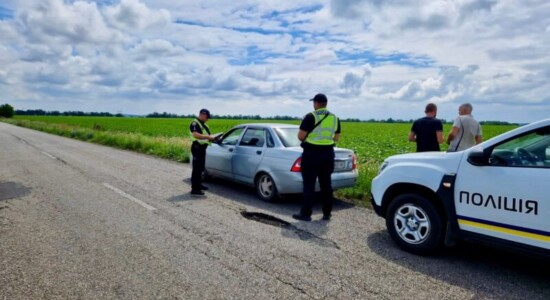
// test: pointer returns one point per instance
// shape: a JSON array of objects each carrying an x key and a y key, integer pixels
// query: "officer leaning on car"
[
  {"x": 201, "y": 137},
  {"x": 319, "y": 131}
]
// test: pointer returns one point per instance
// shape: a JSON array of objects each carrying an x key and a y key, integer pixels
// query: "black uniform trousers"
[
  {"x": 199, "y": 158},
  {"x": 317, "y": 163}
]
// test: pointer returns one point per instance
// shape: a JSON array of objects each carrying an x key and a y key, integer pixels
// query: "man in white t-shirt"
[{"x": 466, "y": 131}]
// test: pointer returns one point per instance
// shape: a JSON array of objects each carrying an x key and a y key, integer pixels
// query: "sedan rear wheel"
[{"x": 265, "y": 187}]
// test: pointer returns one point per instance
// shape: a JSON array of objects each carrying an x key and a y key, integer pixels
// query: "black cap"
[
  {"x": 206, "y": 112},
  {"x": 319, "y": 98}
]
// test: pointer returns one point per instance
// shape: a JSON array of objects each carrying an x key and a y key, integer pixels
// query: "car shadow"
[
  {"x": 185, "y": 197},
  {"x": 246, "y": 195},
  {"x": 487, "y": 271}
]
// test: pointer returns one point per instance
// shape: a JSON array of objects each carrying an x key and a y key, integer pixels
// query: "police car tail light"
[
  {"x": 297, "y": 166},
  {"x": 354, "y": 162}
]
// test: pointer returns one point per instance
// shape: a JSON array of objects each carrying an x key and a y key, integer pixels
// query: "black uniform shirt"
[{"x": 195, "y": 127}]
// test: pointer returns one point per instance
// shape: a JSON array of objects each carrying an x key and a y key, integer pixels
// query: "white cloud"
[
  {"x": 352, "y": 83},
  {"x": 450, "y": 84},
  {"x": 132, "y": 15},
  {"x": 53, "y": 21},
  {"x": 374, "y": 59}
]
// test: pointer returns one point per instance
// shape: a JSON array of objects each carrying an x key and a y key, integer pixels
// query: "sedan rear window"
[{"x": 288, "y": 136}]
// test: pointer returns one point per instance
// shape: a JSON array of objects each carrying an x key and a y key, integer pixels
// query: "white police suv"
[{"x": 497, "y": 192}]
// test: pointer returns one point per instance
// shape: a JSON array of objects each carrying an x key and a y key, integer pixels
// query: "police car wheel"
[
  {"x": 265, "y": 187},
  {"x": 414, "y": 224}
]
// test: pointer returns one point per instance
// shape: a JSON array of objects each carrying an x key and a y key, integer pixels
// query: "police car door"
[
  {"x": 508, "y": 197},
  {"x": 248, "y": 154}
]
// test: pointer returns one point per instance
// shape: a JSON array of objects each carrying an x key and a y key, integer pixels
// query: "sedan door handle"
[
  {"x": 230, "y": 149},
  {"x": 259, "y": 152}
]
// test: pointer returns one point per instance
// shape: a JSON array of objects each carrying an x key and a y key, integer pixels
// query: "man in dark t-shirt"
[{"x": 427, "y": 132}]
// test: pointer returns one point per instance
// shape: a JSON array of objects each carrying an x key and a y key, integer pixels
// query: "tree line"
[
  {"x": 8, "y": 111},
  {"x": 40, "y": 112}
]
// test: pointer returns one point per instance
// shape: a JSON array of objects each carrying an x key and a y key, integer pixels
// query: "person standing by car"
[
  {"x": 200, "y": 135},
  {"x": 427, "y": 132},
  {"x": 466, "y": 131},
  {"x": 318, "y": 132}
]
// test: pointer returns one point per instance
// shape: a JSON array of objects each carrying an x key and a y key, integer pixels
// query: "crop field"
[{"x": 169, "y": 138}]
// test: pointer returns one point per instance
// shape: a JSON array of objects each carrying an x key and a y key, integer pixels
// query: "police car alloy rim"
[
  {"x": 412, "y": 224},
  {"x": 266, "y": 186}
]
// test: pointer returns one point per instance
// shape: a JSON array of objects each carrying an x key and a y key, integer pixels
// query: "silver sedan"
[{"x": 268, "y": 156}]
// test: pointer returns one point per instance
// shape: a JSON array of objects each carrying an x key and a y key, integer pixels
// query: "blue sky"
[{"x": 373, "y": 58}]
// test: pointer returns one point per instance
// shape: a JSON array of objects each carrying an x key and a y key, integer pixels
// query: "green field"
[{"x": 169, "y": 138}]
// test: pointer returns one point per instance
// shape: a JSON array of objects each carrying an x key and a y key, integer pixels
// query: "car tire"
[
  {"x": 265, "y": 187},
  {"x": 415, "y": 224}
]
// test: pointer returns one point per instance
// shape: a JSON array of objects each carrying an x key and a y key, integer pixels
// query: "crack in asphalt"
[
  {"x": 208, "y": 237},
  {"x": 255, "y": 265},
  {"x": 292, "y": 285},
  {"x": 38, "y": 148}
]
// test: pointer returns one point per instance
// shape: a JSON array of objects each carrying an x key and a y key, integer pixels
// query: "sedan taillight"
[
  {"x": 297, "y": 166},
  {"x": 354, "y": 162}
]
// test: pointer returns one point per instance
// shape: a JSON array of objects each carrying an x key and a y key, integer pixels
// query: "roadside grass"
[
  {"x": 360, "y": 193},
  {"x": 172, "y": 148}
]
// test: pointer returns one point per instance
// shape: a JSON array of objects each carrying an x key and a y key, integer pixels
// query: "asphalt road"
[{"x": 84, "y": 221}]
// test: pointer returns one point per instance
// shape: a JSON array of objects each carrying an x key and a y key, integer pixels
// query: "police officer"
[
  {"x": 201, "y": 137},
  {"x": 319, "y": 131}
]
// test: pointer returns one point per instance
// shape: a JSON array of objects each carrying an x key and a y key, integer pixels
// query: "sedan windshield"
[{"x": 288, "y": 136}]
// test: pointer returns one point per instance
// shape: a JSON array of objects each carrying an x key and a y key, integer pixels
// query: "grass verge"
[{"x": 172, "y": 148}]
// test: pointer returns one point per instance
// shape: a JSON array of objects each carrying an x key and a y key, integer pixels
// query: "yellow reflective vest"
[
  {"x": 323, "y": 134},
  {"x": 204, "y": 131}
]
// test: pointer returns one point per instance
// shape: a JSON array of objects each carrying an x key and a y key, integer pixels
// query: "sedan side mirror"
[{"x": 477, "y": 157}]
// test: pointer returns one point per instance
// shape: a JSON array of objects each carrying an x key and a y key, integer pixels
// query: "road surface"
[{"x": 78, "y": 220}]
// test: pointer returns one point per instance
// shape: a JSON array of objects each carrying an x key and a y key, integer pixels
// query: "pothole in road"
[
  {"x": 265, "y": 218},
  {"x": 289, "y": 230},
  {"x": 9, "y": 190}
]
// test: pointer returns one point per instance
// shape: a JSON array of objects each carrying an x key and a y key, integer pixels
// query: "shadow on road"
[
  {"x": 185, "y": 197},
  {"x": 246, "y": 195},
  {"x": 489, "y": 272}
]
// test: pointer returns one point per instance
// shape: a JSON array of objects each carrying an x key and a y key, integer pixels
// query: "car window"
[
  {"x": 288, "y": 136},
  {"x": 253, "y": 138},
  {"x": 231, "y": 137},
  {"x": 529, "y": 150}
]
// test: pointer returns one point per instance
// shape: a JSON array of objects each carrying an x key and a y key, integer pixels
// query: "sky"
[{"x": 374, "y": 59}]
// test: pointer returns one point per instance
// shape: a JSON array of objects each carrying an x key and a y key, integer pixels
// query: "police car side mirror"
[{"x": 477, "y": 157}]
